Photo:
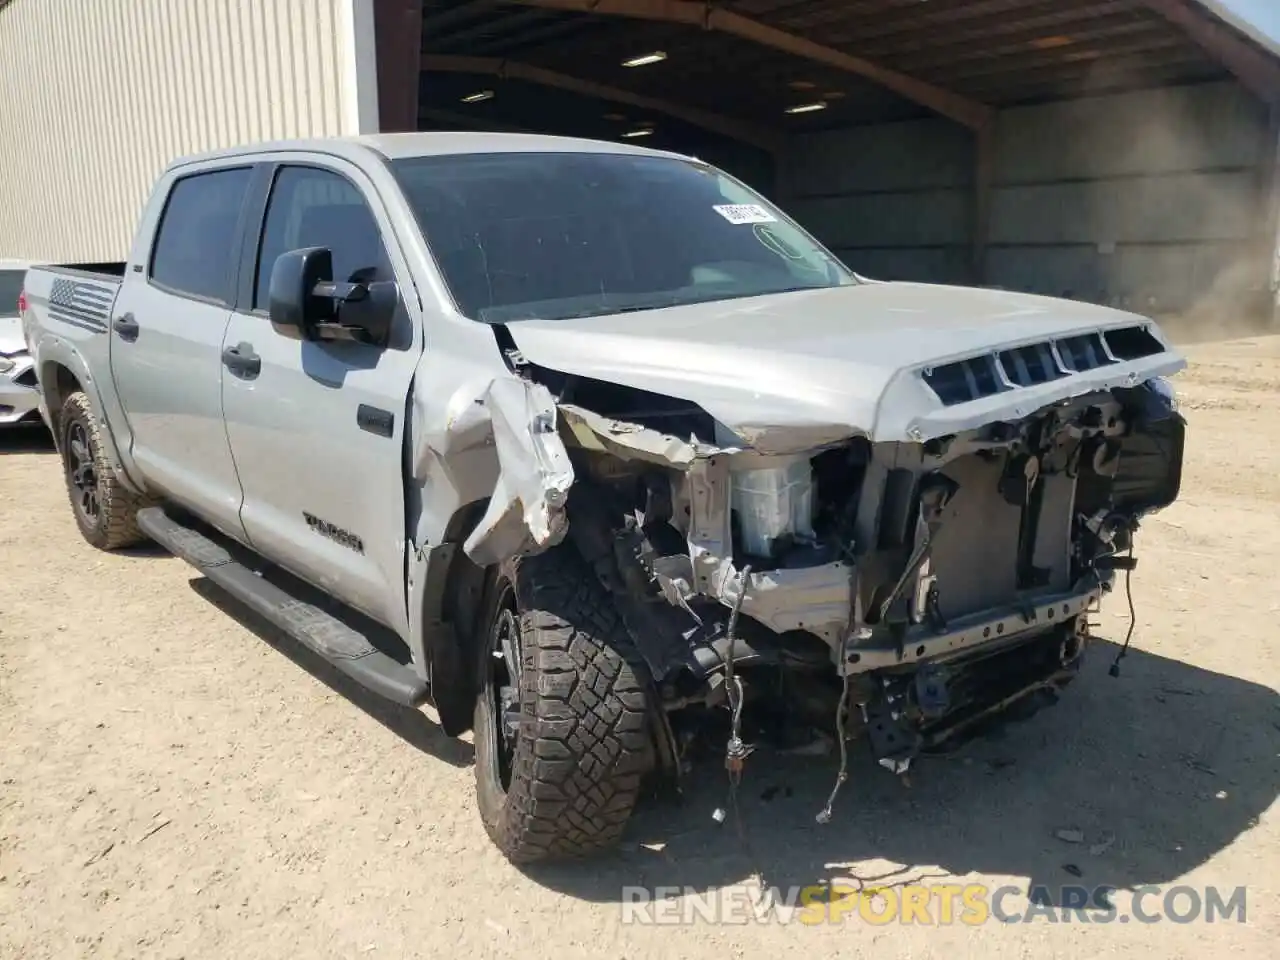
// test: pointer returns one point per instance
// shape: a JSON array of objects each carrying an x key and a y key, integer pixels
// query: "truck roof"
[{"x": 394, "y": 146}]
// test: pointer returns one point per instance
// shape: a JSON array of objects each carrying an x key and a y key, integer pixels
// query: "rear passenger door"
[
  {"x": 317, "y": 431},
  {"x": 166, "y": 342}
]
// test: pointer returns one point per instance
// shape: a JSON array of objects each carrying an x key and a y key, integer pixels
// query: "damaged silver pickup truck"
[{"x": 589, "y": 446}]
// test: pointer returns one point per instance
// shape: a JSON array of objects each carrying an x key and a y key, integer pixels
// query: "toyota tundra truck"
[{"x": 586, "y": 445}]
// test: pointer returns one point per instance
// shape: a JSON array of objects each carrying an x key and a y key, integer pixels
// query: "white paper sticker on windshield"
[{"x": 745, "y": 213}]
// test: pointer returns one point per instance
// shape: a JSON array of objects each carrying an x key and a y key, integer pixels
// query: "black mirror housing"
[
  {"x": 304, "y": 297},
  {"x": 291, "y": 294},
  {"x": 373, "y": 312}
]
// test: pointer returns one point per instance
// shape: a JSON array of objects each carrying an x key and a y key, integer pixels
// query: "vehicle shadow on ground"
[
  {"x": 1158, "y": 769},
  {"x": 26, "y": 441},
  {"x": 146, "y": 549},
  {"x": 412, "y": 726}
]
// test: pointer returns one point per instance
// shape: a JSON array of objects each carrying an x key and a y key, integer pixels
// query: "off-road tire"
[
  {"x": 585, "y": 743},
  {"x": 116, "y": 524}
]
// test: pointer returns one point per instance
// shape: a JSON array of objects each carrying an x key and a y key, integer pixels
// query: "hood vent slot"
[
  {"x": 1132, "y": 343},
  {"x": 1087, "y": 352},
  {"x": 973, "y": 378},
  {"x": 964, "y": 380},
  {"x": 1030, "y": 365}
]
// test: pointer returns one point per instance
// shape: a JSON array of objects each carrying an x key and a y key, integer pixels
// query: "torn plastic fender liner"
[{"x": 527, "y": 511}]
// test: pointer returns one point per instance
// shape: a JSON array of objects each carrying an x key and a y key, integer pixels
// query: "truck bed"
[
  {"x": 107, "y": 270},
  {"x": 76, "y": 296}
]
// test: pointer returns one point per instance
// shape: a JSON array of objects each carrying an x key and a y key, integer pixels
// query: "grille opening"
[
  {"x": 26, "y": 379},
  {"x": 964, "y": 380},
  {"x": 1132, "y": 343},
  {"x": 1083, "y": 353},
  {"x": 1030, "y": 365}
]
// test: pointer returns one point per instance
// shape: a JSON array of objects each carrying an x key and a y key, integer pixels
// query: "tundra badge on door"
[{"x": 326, "y": 529}]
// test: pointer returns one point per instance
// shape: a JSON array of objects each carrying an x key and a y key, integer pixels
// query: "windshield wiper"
[{"x": 610, "y": 311}]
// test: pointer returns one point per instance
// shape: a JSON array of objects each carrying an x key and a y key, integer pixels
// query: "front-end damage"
[
  {"x": 526, "y": 512},
  {"x": 908, "y": 582}
]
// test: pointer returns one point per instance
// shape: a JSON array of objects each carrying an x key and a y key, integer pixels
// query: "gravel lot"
[{"x": 180, "y": 781}]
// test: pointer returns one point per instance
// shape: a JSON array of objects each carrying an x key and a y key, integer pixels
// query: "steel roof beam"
[
  {"x": 463, "y": 12},
  {"x": 1257, "y": 69},
  {"x": 968, "y": 112},
  {"x": 469, "y": 121},
  {"x": 512, "y": 70}
]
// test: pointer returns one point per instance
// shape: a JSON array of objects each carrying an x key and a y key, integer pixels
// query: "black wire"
[
  {"x": 732, "y": 687},
  {"x": 731, "y": 646},
  {"x": 1133, "y": 616}
]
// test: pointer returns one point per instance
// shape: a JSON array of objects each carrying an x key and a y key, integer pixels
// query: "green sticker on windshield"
[{"x": 744, "y": 213}]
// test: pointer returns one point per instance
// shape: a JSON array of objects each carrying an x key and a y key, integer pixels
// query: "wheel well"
[
  {"x": 58, "y": 383},
  {"x": 462, "y": 573},
  {"x": 453, "y": 627},
  {"x": 456, "y": 628}
]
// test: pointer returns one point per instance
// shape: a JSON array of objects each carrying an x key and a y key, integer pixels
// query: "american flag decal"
[{"x": 80, "y": 304}]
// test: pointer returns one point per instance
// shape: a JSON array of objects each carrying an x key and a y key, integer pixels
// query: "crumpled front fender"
[{"x": 526, "y": 513}]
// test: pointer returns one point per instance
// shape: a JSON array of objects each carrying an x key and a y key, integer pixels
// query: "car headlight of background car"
[{"x": 7, "y": 363}]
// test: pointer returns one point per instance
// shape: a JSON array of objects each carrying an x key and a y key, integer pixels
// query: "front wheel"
[
  {"x": 105, "y": 511},
  {"x": 562, "y": 729}
]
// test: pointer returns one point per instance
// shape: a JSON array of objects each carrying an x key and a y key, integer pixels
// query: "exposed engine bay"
[{"x": 907, "y": 590}]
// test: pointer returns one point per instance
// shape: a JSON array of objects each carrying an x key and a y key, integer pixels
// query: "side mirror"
[
  {"x": 304, "y": 297},
  {"x": 365, "y": 311},
  {"x": 291, "y": 295}
]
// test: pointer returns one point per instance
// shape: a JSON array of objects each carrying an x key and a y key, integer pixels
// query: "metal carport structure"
[
  {"x": 951, "y": 140},
  {"x": 1112, "y": 150}
]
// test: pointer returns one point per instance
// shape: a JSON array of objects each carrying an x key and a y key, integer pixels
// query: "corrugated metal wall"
[
  {"x": 96, "y": 96},
  {"x": 1151, "y": 200},
  {"x": 894, "y": 201}
]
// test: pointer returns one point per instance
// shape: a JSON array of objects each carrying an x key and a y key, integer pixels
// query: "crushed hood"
[{"x": 795, "y": 370}]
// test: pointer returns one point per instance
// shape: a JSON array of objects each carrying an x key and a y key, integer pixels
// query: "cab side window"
[
  {"x": 311, "y": 207},
  {"x": 197, "y": 240}
]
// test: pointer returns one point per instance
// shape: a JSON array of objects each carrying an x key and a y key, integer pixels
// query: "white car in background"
[{"x": 19, "y": 398}]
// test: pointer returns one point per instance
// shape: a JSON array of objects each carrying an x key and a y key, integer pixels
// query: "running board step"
[{"x": 319, "y": 631}]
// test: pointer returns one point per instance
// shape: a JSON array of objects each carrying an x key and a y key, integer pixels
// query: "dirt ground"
[{"x": 180, "y": 781}]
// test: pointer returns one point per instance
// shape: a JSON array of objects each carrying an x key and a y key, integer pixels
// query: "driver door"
[{"x": 317, "y": 427}]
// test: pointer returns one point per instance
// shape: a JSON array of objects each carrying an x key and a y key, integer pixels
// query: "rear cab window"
[{"x": 197, "y": 241}]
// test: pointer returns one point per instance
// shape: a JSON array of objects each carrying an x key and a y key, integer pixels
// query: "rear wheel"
[
  {"x": 105, "y": 511},
  {"x": 561, "y": 724}
]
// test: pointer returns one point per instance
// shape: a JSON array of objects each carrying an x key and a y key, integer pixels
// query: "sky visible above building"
[{"x": 1263, "y": 14}]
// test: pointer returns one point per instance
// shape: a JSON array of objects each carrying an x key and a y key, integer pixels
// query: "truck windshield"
[{"x": 558, "y": 235}]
